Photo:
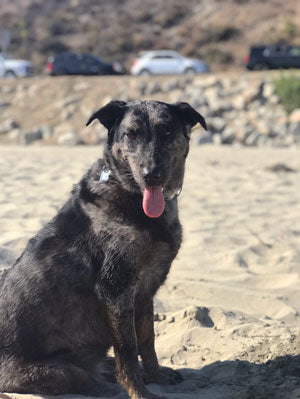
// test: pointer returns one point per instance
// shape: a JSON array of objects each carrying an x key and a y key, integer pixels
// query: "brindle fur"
[{"x": 87, "y": 280}]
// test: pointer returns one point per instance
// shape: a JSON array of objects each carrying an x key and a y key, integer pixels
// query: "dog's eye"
[{"x": 131, "y": 135}]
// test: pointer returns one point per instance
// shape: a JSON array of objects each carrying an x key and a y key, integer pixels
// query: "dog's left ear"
[
  {"x": 189, "y": 115},
  {"x": 109, "y": 114}
]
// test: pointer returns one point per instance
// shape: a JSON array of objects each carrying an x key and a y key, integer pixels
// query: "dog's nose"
[{"x": 151, "y": 177}]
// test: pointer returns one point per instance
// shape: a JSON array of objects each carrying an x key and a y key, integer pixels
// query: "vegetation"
[{"x": 287, "y": 87}]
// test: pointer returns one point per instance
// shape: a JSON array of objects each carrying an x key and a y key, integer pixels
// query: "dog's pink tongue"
[{"x": 153, "y": 201}]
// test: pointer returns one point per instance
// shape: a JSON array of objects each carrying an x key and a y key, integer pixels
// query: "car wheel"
[
  {"x": 10, "y": 75},
  {"x": 145, "y": 72},
  {"x": 260, "y": 66},
  {"x": 190, "y": 71}
]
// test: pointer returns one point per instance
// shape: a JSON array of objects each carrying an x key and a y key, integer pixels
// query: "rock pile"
[{"x": 238, "y": 109}]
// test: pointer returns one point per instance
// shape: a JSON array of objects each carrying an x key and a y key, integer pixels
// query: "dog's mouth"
[{"x": 153, "y": 201}]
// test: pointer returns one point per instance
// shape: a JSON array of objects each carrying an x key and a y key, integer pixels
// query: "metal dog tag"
[{"x": 104, "y": 176}]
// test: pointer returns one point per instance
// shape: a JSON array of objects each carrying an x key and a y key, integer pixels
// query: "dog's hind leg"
[{"x": 51, "y": 377}]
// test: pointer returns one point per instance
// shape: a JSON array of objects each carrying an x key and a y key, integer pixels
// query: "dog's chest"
[{"x": 154, "y": 267}]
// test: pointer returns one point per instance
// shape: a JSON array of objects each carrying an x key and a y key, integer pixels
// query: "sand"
[{"x": 228, "y": 316}]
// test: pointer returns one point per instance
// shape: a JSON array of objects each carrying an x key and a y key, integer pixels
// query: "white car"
[
  {"x": 11, "y": 68},
  {"x": 166, "y": 62}
]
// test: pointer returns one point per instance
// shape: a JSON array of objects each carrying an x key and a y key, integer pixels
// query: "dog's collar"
[{"x": 175, "y": 195}]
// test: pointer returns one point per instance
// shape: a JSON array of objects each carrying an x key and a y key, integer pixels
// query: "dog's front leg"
[
  {"x": 145, "y": 337},
  {"x": 120, "y": 314}
]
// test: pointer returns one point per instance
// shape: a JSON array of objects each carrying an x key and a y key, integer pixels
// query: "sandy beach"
[{"x": 228, "y": 316}]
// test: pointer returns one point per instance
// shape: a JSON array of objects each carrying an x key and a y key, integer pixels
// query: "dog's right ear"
[{"x": 109, "y": 114}]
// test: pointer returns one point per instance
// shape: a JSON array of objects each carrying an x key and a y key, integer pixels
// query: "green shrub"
[{"x": 287, "y": 87}]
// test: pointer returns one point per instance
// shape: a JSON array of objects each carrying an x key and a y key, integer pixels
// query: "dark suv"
[
  {"x": 273, "y": 57},
  {"x": 81, "y": 64}
]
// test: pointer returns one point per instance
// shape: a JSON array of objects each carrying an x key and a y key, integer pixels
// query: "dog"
[{"x": 86, "y": 281}]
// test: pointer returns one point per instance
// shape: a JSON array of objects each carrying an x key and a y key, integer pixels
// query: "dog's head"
[{"x": 147, "y": 145}]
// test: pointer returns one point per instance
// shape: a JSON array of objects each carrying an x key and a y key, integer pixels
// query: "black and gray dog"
[{"x": 86, "y": 281}]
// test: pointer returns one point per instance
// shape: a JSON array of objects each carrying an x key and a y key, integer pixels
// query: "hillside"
[{"x": 218, "y": 31}]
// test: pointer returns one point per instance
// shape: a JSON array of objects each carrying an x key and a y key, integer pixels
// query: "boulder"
[
  {"x": 14, "y": 136},
  {"x": 252, "y": 139},
  {"x": 228, "y": 135},
  {"x": 268, "y": 89},
  {"x": 69, "y": 139},
  {"x": 294, "y": 116},
  {"x": 8, "y": 125},
  {"x": 28, "y": 137},
  {"x": 216, "y": 124},
  {"x": 46, "y": 131},
  {"x": 204, "y": 138},
  {"x": 153, "y": 88}
]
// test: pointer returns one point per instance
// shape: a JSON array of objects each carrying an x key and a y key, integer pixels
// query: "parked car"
[
  {"x": 13, "y": 68},
  {"x": 81, "y": 64},
  {"x": 166, "y": 62},
  {"x": 273, "y": 57}
]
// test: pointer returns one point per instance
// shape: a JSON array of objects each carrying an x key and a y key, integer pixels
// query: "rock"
[
  {"x": 7, "y": 89},
  {"x": 61, "y": 128},
  {"x": 294, "y": 124},
  {"x": 268, "y": 89},
  {"x": 217, "y": 139},
  {"x": 243, "y": 132},
  {"x": 30, "y": 136},
  {"x": 170, "y": 85},
  {"x": 216, "y": 104},
  {"x": 79, "y": 86},
  {"x": 142, "y": 87},
  {"x": 216, "y": 125},
  {"x": 239, "y": 102},
  {"x": 196, "y": 97},
  {"x": 207, "y": 82},
  {"x": 69, "y": 138},
  {"x": 280, "y": 167},
  {"x": 204, "y": 138},
  {"x": 294, "y": 129},
  {"x": 4, "y": 105},
  {"x": 46, "y": 131},
  {"x": 175, "y": 95},
  {"x": 14, "y": 136},
  {"x": 68, "y": 112},
  {"x": 68, "y": 101},
  {"x": 96, "y": 134},
  {"x": 264, "y": 127},
  {"x": 252, "y": 139},
  {"x": 259, "y": 141},
  {"x": 274, "y": 99},
  {"x": 153, "y": 88},
  {"x": 294, "y": 116},
  {"x": 7, "y": 125},
  {"x": 186, "y": 82},
  {"x": 252, "y": 93},
  {"x": 228, "y": 135}
]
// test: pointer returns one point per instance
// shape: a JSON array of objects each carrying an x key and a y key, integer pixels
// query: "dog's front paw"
[
  {"x": 148, "y": 396},
  {"x": 163, "y": 376}
]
